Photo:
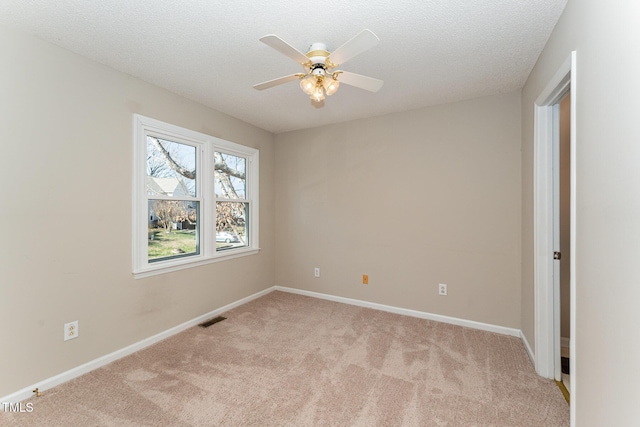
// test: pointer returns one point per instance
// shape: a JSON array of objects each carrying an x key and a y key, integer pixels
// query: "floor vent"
[{"x": 210, "y": 322}]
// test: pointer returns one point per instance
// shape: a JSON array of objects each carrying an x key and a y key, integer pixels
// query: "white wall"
[
  {"x": 606, "y": 37},
  {"x": 412, "y": 199},
  {"x": 66, "y": 135}
]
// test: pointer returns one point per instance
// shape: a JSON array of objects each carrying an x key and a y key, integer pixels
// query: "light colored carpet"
[{"x": 291, "y": 360}]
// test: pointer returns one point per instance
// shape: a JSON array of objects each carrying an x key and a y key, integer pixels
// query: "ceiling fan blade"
[
  {"x": 278, "y": 81},
  {"x": 360, "y": 81},
  {"x": 358, "y": 44},
  {"x": 284, "y": 48}
]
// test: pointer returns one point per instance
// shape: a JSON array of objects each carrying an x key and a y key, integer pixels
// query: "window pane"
[
  {"x": 230, "y": 176},
  {"x": 231, "y": 225},
  {"x": 173, "y": 229},
  {"x": 171, "y": 168}
]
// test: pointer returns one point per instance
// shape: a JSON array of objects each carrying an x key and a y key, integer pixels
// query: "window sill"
[{"x": 171, "y": 266}]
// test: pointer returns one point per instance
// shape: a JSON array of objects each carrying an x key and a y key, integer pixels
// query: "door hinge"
[{"x": 557, "y": 255}]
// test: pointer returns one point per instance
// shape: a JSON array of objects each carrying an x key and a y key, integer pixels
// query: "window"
[{"x": 195, "y": 198}]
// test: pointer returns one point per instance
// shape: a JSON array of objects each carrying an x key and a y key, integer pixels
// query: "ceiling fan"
[{"x": 320, "y": 76}]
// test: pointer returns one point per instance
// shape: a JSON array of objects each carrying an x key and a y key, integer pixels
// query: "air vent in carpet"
[{"x": 210, "y": 322}]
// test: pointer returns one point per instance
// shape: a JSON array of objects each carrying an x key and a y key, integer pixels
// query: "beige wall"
[
  {"x": 412, "y": 199},
  {"x": 66, "y": 135},
  {"x": 605, "y": 36}
]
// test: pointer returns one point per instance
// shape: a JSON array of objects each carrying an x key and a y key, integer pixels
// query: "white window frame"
[{"x": 205, "y": 145}]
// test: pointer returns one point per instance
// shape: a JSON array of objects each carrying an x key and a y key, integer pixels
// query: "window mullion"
[
  {"x": 221, "y": 199},
  {"x": 208, "y": 217},
  {"x": 179, "y": 198}
]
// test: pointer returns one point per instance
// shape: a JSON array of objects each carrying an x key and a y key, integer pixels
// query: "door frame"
[{"x": 546, "y": 294}]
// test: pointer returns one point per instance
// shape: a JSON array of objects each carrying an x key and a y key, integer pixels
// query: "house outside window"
[{"x": 195, "y": 198}]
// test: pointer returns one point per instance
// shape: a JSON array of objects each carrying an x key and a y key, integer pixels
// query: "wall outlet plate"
[
  {"x": 316, "y": 272},
  {"x": 442, "y": 289},
  {"x": 71, "y": 330}
]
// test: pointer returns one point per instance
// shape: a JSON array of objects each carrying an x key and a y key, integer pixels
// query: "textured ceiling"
[{"x": 430, "y": 51}]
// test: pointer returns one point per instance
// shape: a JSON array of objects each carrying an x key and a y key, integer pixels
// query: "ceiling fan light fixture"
[
  {"x": 318, "y": 93},
  {"x": 308, "y": 84},
  {"x": 331, "y": 85}
]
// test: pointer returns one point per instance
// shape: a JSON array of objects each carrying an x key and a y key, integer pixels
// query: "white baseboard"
[
  {"x": 46, "y": 384},
  {"x": 27, "y": 392},
  {"x": 407, "y": 312},
  {"x": 528, "y": 348}
]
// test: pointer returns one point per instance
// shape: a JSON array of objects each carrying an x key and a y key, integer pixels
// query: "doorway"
[
  {"x": 564, "y": 236},
  {"x": 547, "y": 270}
]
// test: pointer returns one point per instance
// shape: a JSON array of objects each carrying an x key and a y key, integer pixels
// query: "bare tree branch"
[
  {"x": 220, "y": 165},
  {"x": 170, "y": 162}
]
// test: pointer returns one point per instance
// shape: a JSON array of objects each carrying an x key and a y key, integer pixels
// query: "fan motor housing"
[
  {"x": 318, "y": 70},
  {"x": 318, "y": 55}
]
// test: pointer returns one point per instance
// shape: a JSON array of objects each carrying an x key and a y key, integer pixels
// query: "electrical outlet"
[
  {"x": 71, "y": 330},
  {"x": 365, "y": 279},
  {"x": 442, "y": 289},
  {"x": 316, "y": 272}
]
